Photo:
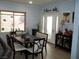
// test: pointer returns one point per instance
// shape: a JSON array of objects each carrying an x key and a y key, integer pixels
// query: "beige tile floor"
[{"x": 52, "y": 53}]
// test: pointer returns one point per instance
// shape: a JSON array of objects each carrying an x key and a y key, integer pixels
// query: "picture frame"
[{"x": 66, "y": 17}]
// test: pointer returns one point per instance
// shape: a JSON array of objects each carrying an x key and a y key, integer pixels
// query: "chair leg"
[
  {"x": 21, "y": 53},
  {"x": 14, "y": 55},
  {"x": 42, "y": 54},
  {"x": 26, "y": 56},
  {"x": 45, "y": 48},
  {"x": 36, "y": 55},
  {"x": 32, "y": 56}
]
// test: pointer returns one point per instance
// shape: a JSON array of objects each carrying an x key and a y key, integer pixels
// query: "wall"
[
  {"x": 33, "y": 16},
  {"x": 63, "y": 6},
  {"x": 33, "y": 12},
  {"x": 4, "y": 5},
  {"x": 75, "y": 42}
]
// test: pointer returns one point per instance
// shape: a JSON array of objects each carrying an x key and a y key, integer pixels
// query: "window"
[{"x": 12, "y": 21}]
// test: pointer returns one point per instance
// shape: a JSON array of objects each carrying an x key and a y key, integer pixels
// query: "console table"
[{"x": 63, "y": 41}]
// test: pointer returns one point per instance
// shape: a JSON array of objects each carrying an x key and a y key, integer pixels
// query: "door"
[{"x": 50, "y": 26}]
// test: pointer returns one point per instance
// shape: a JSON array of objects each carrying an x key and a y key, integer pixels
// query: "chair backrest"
[
  {"x": 5, "y": 49},
  {"x": 10, "y": 41},
  {"x": 3, "y": 44},
  {"x": 38, "y": 45},
  {"x": 42, "y": 35}
]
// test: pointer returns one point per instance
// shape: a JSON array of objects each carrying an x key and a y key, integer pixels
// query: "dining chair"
[
  {"x": 15, "y": 47},
  {"x": 36, "y": 48},
  {"x": 5, "y": 51},
  {"x": 45, "y": 36},
  {"x": 8, "y": 41}
]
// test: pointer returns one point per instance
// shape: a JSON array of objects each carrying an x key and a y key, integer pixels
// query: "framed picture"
[{"x": 66, "y": 17}]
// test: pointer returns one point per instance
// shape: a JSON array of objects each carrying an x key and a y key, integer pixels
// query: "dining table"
[{"x": 27, "y": 39}]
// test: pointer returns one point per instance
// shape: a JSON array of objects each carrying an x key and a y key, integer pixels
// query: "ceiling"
[{"x": 37, "y": 2}]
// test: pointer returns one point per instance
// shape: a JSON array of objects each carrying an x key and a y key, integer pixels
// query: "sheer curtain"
[{"x": 50, "y": 25}]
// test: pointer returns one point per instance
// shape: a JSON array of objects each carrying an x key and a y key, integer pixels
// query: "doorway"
[{"x": 50, "y": 26}]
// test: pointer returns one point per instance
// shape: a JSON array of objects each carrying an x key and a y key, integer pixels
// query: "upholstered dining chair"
[
  {"x": 45, "y": 36},
  {"x": 15, "y": 47},
  {"x": 5, "y": 51},
  {"x": 36, "y": 48}
]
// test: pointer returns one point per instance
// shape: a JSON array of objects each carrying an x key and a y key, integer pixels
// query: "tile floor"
[{"x": 52, "y": 53}]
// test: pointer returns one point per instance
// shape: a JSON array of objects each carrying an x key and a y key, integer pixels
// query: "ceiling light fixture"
[{"x": 30, "y": 2}]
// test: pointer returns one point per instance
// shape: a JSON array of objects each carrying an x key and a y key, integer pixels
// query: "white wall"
[
  {"x": 33, "y": 12},
  {"x": 33, "y": 16},
  {"x": 75, "y": 42},
  {"x": 4, "y": 5},
  {"x": 63, "y": 6}
]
